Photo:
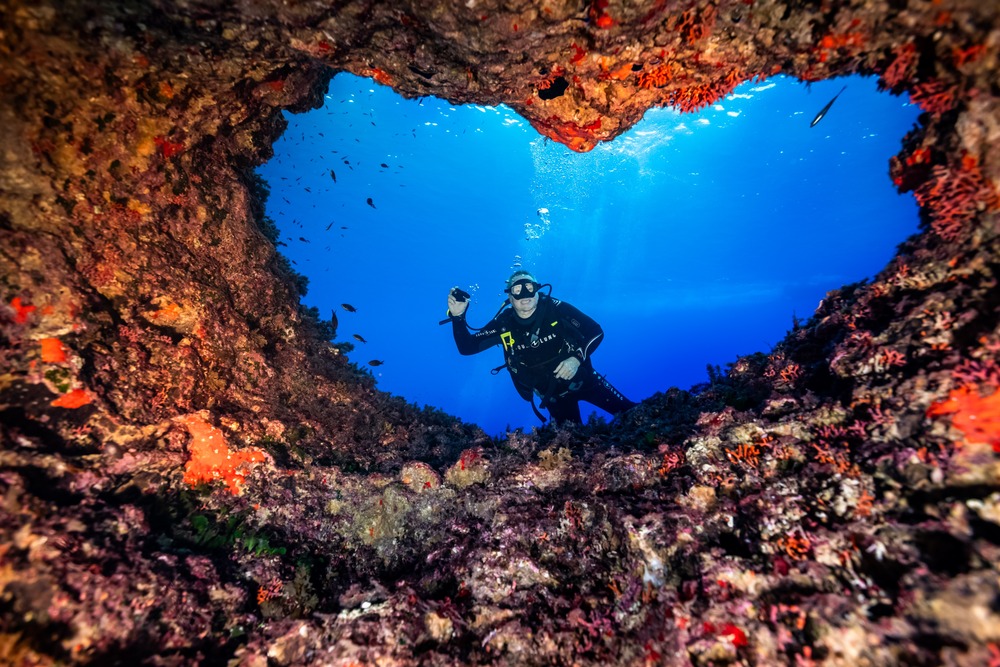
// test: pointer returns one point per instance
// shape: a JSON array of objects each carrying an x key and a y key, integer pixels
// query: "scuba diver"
[{"x": 547, "y": 346}]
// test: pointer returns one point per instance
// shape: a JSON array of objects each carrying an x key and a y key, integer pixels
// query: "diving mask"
[{"x": 523, "y": 289}]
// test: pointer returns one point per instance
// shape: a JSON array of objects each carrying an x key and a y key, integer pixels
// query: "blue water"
[{"x": 691, "y": 239}]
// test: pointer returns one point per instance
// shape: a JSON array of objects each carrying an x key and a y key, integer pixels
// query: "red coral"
[
  {"x": 734, "y": 634},
  {"x": 695, "y": 98},
  {"x": 381, "y": 76},
  {"x": 21, "y": 310},
  {"x": 545, "y": 81},
  {"x": 903, "y": 65},
  {"x": 969, "y": 55},
  {"x": 657, "y": 76},
  {"x": 599, "y": 15},
  {"x": 168, "y": 148},
  {"x": 694, "y": 25},
  {"x": 935, "y": 96},
  {"x": 953, "y": 195}
]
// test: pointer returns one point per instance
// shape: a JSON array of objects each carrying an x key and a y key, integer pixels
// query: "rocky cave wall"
[{"x": 192, "y": 474}]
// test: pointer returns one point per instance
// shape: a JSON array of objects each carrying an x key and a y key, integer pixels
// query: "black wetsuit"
[{"x": 534, "y": 346}]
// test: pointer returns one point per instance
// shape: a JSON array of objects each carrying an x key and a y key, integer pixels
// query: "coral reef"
[{"x": 191, "y": 473}]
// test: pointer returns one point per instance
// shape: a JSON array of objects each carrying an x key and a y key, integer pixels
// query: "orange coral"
[
  {"x": 745, "y": 453},
  {"x": 791, "y": 372},
  {"x": 74, "y": 399},
  {"x": 977, "y": 417},
  {"x": 211, "y": 459},
  {"x": 796, "y": 547},
  {"x": 381, "y": 76},
  {"x": 269, "y": 592},
  {"x": 53, "y": 351}
]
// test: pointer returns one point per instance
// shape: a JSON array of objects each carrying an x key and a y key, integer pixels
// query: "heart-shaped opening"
[{"x": 692, "y": 238}]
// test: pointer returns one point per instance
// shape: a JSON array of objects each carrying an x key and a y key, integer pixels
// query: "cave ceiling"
[{"x": 192, "y": 474}]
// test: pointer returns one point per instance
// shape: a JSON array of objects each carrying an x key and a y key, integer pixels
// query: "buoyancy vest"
[{"x": 533, "y": 347}]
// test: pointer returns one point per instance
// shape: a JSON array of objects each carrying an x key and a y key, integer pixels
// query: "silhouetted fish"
[
  {"x": 422, "y": 72},
  {"x": 349, "y": 308},
  {"x": 329, "y": 226},
  {"x": 334, "y": 321},
  {"x": 384, "y": 165},
  {"x": 370, "y": 203},
  {"x": 822, "y": 112},
  {"x": 333, "y": 175},
  {"x": 304, "y": 239},
  {"x": 358, "y": 338},
  {"x": 375, "y": 362}
]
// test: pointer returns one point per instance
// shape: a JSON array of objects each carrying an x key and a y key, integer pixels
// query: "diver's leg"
[
  {"x": 598, "y": 391},
  {"x": 563, "y": 409}
]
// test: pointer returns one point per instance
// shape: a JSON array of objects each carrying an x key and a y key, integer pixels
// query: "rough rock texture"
[{"x": 191, "y": 474}]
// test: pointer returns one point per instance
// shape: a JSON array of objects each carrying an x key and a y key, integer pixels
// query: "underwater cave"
[
  {"x": 693, "y": 238},
  {"x": 193, "y": 473}
]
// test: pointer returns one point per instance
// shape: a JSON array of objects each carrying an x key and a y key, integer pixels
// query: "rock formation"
[{"x": 192, "y": 474}]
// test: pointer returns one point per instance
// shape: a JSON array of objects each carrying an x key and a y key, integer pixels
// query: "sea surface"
[{"x": 691, "y": 239}]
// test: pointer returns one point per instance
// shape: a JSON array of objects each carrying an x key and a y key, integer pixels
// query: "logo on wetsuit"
[
  {"x": 536, "y": 341},
  {"x": 507, "y": 338}
]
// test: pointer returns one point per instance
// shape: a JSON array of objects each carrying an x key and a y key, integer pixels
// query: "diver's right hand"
[{"x": 456, "y": 308}]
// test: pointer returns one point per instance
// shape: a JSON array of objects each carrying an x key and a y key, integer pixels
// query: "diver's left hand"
[{"x": 567, "y": 368}]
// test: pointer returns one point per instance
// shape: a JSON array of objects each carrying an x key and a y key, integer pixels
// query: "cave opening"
[{"x": 691, "y": 238}]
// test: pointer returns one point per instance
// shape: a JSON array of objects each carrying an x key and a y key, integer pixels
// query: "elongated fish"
[{"x": 822, "y": 112}]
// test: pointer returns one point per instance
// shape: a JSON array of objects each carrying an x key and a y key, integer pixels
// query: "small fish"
[
  {"x": 370, "y": 202},
  {"x": 333, "y": 175},
  {"x": 329, "y": 226},
  {"x": 304, "y": 239},
  {"x": 349, "y": 308},
  {"x": 421, "y": 72},
  {"x": 822, "y": 112},
  {"x": 375, "y": 362},
  {"x": 384, "y": 165},
  {"x": 358, "y": 338},
  {"x": 307, "y": 189},
  {"x": 334, "y": 321}
]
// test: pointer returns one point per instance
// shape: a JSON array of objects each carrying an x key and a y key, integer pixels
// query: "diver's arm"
[
  {"x": 474, "y": 343},
  {"x": 590, "y": 332}
]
